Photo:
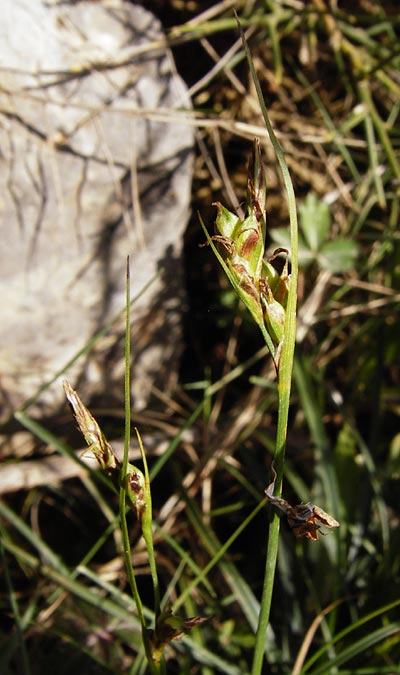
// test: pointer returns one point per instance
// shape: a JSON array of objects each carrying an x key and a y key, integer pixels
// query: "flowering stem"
[
  {"x": 284, "y": 379},
  {"x": 153, "y": 668}
]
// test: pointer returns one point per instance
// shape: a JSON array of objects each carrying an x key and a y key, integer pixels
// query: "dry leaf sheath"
[
  {"x": 91, "y": 431},
  {"x": 103, "y": 452},
  {"x": 304, "y": 519}
]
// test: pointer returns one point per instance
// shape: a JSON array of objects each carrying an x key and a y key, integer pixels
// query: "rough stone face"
[{"x": 91, "y": 171}]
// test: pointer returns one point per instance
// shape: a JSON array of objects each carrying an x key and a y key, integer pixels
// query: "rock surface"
[{"x": 90, "y": 172}]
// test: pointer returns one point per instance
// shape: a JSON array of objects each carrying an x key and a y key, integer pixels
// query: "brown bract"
[{"x": 303, "y": 519}]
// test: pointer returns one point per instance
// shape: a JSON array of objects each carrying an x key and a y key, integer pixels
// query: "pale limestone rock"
[{"x": 88, "y": 175}]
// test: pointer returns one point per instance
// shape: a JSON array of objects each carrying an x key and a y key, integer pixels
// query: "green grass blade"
[
  {"x": 242, "y": 592},
  {"x": 347, "y": 631},
  {"x": 359, "y": 647},
  {"x": 247, "y": 600},
  {"x": 19, "y": 641}
]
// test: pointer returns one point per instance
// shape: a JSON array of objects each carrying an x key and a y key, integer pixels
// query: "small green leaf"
[
  {"x": 338, "y": 256},
  {"x": 315, "y": 220}
]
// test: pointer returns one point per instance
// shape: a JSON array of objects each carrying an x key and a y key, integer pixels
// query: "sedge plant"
[{"x": 271, "y": 300}]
